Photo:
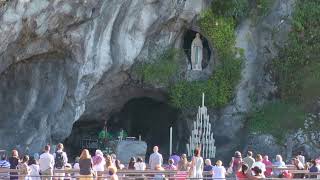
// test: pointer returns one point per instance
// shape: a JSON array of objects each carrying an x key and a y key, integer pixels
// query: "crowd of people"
[{"x": 30, "y": 168}]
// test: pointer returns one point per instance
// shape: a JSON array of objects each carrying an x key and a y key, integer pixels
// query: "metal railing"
[{"x": 135, "y": 174}]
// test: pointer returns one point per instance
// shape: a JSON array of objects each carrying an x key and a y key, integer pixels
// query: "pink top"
[{"x": 268, "y": 171}]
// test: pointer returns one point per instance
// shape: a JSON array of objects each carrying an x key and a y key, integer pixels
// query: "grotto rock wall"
[{"x": 60, "y": 60}]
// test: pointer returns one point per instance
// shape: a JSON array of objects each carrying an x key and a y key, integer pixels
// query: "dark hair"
[
  {"x": 3, "y": 157},
  {"x": 313, "y": 162},
  {"x": 25, "y": 158},
  {"x": 244, "y": 168},
  {"x": 117, "y": 162},
  {"x": 47, "y": 147},
  {"x": 32, "y": 160},
  {"x": 256, "y": 170},
  {"x": 249, "y": 153},
  {"x": 197, "y": 152},
  {"x": 139, "y": 159},
  {"x": 171, "y": 161},
  {"x": 300, "y": 153},
  {"x": 131, "y": 163}
]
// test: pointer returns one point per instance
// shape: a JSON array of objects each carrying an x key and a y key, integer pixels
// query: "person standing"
[
  {"x": 60, "y": 160},
  {"x": 46, "y": 163},
  {"x": 249, "y": 160},
  {"x": 34, "y": 169},
  {"x": 85, "y": 164},
  {"x": 24, "y": 170},
  {"x": 155, "y": 158},
  {"x": 98, "y": 162},
  {"x": 196, "y": 169},
  {"x": 14, "y": 161},
  {"x": 236, "y": 162},
  {"x": 219, "y": 172}
]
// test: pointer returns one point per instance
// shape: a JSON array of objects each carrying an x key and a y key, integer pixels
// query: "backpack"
[{"x": 59, "y": 161}]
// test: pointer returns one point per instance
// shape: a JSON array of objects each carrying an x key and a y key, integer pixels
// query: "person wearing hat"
[{"x": 236, "y": 162}]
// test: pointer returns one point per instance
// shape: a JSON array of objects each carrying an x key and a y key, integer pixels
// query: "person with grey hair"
[
  {"x": 208, "y": 168},
  {"x": 279, "y": 164}
]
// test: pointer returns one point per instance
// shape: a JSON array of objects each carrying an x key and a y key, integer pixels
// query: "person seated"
[
  {"x": 256, "y": 173},
  {"x": 208, "y": 168},
  {"x": 242, "y": 173},
  {"x": 140, "y": 165},
  {"x": 171, "y": 165},
  {"x": 313, "y": 169},
  {"x": 4, "y": 164}
]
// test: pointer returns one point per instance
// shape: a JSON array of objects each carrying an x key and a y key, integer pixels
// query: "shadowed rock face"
[{"x": 63, "y": 60}]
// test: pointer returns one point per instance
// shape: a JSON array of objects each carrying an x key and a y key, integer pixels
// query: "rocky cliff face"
[{"x": 62, "y": 60}]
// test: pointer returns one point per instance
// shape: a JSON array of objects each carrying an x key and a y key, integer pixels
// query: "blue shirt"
[
  {"x": 4, "y": 164},
  {"x": 313, "y": 169}
]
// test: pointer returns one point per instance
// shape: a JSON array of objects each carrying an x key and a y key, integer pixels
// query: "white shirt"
[
  {"x": 64, "y": 156},
  {"x": 46, "y": 161},
  {"x": 100, "y": 166},
  {"x": 34, "y": 172},
  {"x": 301, "y": 159},
  {"x": 260, "y": 165},
  {"x": 155, "y": 159},
  {"x": 219, "y": 172},
  {"x": 140, "y": 166}
]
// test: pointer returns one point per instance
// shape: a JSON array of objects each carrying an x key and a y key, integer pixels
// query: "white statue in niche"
[{"x": 196, "y": 53}]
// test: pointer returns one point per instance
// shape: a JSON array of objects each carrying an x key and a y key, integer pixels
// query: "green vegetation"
[
  {"x": 161, "y": 69},
  {"x": 263, "y": 7},
  {"x": 220, "y": 87},
  {"x": 231, "y": 8},
  {"x": 277, "y": 118},
  {"x": 297, "y": 74},
  {"x": 297, "y": 69},
  {"x": 239, "y": 9}
]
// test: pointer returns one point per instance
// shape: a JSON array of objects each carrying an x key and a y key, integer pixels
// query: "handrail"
[{"x": 146, "y": 172}]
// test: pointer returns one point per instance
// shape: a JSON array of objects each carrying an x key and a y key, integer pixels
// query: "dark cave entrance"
[
  {"x": 187, "y": 41},
  {"x": 149, "y": 118},
  {"x": 139, "y": 116}
]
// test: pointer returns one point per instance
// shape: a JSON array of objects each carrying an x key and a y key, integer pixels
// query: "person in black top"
[
  {"x": 14, "y": 161},
  {"x": 85, "y": 164}
]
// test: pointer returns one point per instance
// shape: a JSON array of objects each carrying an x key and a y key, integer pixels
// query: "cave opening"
[
  {"x": 143, "y": 116},
  {"x": 187, "y": 41}
]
